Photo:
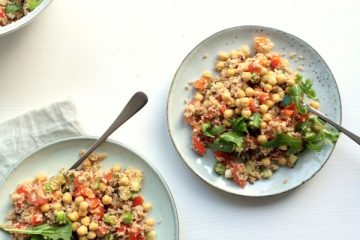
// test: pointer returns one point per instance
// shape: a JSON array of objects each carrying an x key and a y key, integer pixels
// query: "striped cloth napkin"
[{"x": 25, "y": 133}]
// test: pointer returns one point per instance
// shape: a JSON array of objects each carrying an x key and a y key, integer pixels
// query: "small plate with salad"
[{"x": 236, "y": 111}]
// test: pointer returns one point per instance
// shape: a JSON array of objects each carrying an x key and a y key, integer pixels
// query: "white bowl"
[
  {"x": 192, "y": 67},
  {"x": 24, "y": 20}
]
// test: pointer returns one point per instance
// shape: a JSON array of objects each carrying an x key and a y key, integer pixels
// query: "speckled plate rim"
[
  {"x": 24, "y": 20},
  {"x": 170, "y": 93},
  {"x": 171, "y": 198}
]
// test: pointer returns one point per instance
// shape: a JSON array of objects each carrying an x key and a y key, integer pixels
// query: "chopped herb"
[
  {"x": 255, "y": 120},
  {"x": 127, "y": 217},
  {"x": 239, "y": 125},
  {"x": 282, "y": 139},
  {"x": 286, "y": 101},
  {"x": 296, "y": 92},
  {"x": 32, "y": 4},
  {"x": 307, "y": 87},
  {"x": 110, "y": 219},
  {"x": 209, "y": 131},
  {"x": 11, "y": 8}
]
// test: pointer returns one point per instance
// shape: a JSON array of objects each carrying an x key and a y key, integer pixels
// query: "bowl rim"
[
  {"x": 24, "y": 20},
  {"x": 87, "y": 137},
  {"x": 172, "y": 85}
]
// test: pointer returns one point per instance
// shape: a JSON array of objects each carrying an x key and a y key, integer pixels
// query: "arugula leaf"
[
  {"x": 209, "y": 131},
  {"x": 307, "y": 87},
  {"x": 295, "y": 92},
  {"x": 285, "y": 139},
  {"x": 316, "y": 141},
  {"x": 228, "y": 142},
  {"x": 255, "y": 120},
  {"x": 239, "y": 125},
  {"x": 45, "y": 231},
  {"x": 11, "y": 8}
]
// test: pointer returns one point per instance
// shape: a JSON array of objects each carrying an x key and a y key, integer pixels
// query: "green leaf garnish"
[
  {"x": 286, "y": 101},
  {"x": 255, "y": 120},
  {"x": 306, "y": 87},
  {"x": 45, "y": 231},
  {"x": 239, "y": 125},
  {"x": 228, "y": 142},
  {"x": 295, "y": 92},
  {"x": 210, "y": 131},
  {"x": 282, "y": 139},
  {"x": 32, "y": 4}
]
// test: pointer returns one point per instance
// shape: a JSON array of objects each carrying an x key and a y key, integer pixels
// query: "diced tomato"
[
  {"x": 288, "y": 112},
  {"x": 275, "y": 61},
  {"x": 241, "y": 181},
  {"x": 303, "y": 117},
  {"x": 201, "y": 83},
  {"x": 223, "y": 108},
  {"x": 121, "y": 229},
  {"x": 138, "y": 200},
  {"x": 135, "y": 236},
  {"x": 36, "y": 201},
  {"x": 83, "y": 191},
  {"x": 252, "y": 105},
  {"x": 253, "y": 67},
  {"x": 21, "y": 190},
  {"x": 222, "y": 156},
  {"x": 198, "y": 146},
  {"x": 37, "y": 219},
  {"x": 263, "y": 62},
  {"x": 102, "y": 230},
  {"x": 109, "y": 176},
  {"x": 2, "y": 12},
  {"x": 263, "y": 97},
  {"x": 93, "y": 202},
  {"x": 98, "y": 212}
]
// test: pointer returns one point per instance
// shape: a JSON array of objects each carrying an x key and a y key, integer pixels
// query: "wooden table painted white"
[{"x": 99, "y": 52}]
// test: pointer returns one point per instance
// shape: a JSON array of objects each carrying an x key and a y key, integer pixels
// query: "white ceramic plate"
[
  {"x": 194, "y": 65},
  {"x": 62, "y": 154}
]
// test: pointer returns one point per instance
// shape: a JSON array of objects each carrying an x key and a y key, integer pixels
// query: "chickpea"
[
  {"x": 262, "y": 139},
  {"x": 85, "y": 221},
  {"x": 93, "y": 226},
  {"x": 266, "y": 162},
  {"x": 124, "y": 181},
  {"x": 230, "y": 72},
  {"x": 280, "y": 78},
  {"x": 83, "y": 206},
  {"x": 40, "y": 177},
  {"x": 117, "y": 168},
  {"x": 198, "y": 96},
  {"x": 150, "y": 222},
  {"x": 226, "y": 96},
  {"x": 83, "y": 213},
  {"x": 245, "y": 101},
  {"x": 275, "y": 97},
  {"x": 267, "y": 117},
  {"x": 234, "y": 54},
  {"x": 79, "y": 200},
  {"x": 91, "y": 235},
  {"x": 147, "y": 206},
  {"x": 207, "y": 74},
  {"x": 106, "y": 200},
  {"x": 220, "y": 65},
  {"x": 73, "y": 216},
  {"x": 240, "y": 93},
  {"x": 246, "y": 113},
  {"x": 223, "y": 55},
  {"x": 267, "y": 87},
  {"x": 237, "y": 110},
  {"x": 245, "y": 76},
  {"x": 102, "y": 187},
  {"x": 226, "y": 123},
  {"x": 263, "y": 125},
  {"x": 263, "y": 108},
  {"x": 272, "y": 80},
  {"x": 82, "y": 230},
  {"x": 45, "y": 208},
  {"x": 57, "y": 206},
  {"x": 269, "y": 103},
  {"x": 151, "y": 235},
  {"x": 291, "y": 82},
  {"x": 67, "y": 198},
  {"x": 315, "y": 105},
  {"x": 86, "y": 163},
  {"x": 228, "y": 113},
  {"x": 281, "y": 94},
  {"x": 281, "y": 161},
  {"x": 75, "y": 226},
  {"x": 249, "y": 92}
]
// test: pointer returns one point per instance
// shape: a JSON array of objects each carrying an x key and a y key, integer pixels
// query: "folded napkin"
[{"x": 23, "y": 134}]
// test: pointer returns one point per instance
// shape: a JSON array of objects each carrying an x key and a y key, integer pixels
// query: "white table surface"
[{"x": 100, "y": 52}]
